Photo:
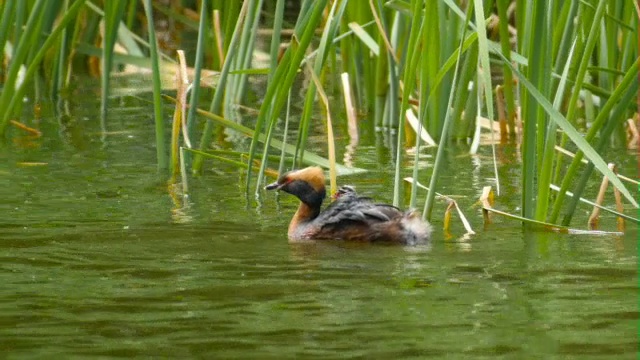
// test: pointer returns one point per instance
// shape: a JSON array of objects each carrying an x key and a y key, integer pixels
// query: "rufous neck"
[{"x": 304, "y": 214}]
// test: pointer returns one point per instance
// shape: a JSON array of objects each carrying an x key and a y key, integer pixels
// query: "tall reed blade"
[
  {"x": 413, "y": 54},
  {"x": 485, "y": 74},
  {"x": 218, "y": 96},
  {"x": 573, "y": 134},
  {"x": 505, "y": 42},
  {"x": 161, "y": 152},
  {"x": 113, "y": 12},
  {"x": 616, "y": 119},
  {"x": 326, "y": 43},
  {"x": 531, "y": 139},
  {"x": 197, "y": 71},
  {"x": 544, "y": 177},
  {"x": 428, "y": 204},
  {"x": 18, "y": 94},
  {"x": 21, "y": 50},
  {"x": 5, "y": 24},
  {"x": 277, "y": 90},
  {"x": 572, "y": 105}
]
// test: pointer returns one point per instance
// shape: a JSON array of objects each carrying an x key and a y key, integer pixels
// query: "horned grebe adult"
[{"x": 350, "y": 217}]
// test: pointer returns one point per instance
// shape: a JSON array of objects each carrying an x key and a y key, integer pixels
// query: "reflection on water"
[{"x": 97, "y": 258}]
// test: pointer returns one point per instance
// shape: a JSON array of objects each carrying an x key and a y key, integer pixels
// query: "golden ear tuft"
[{"x": 314, "y": 175}]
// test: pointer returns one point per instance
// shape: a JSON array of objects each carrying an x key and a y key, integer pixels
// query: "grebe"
[{"x": 350, "y": 217}]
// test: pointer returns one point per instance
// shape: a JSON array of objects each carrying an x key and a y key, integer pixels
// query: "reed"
[
  {"x": 23, "y": 41},
  {"x": 15, "y": 98},
  {"x": 428, "y": 204},
  {"x": 216, "y": 102},
  {"x": 113, "y": 13},
  {"x": 563, "y": 65},
  {"x": 203, "y": 30},
  {"x": 161, "y": 152},
  {"x": 505, "y": 43},
  {"x": 320, "y": 58},
  {"x": 413, "y": 54},
  {"x": 278, "y": 88}
]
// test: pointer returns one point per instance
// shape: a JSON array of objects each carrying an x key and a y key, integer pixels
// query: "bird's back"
[{"x": 356, "y": 218}]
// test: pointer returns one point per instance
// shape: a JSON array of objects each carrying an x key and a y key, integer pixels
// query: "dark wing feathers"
[
  {"x": 358, "y": 209},
  {"x": 376, "y": 214}
]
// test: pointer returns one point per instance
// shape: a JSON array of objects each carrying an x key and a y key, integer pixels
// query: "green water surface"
[{"x": 96, "y": 260}]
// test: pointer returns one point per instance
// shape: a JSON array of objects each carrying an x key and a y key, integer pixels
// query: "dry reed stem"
[
  {"x": 178, "y": 115},
  {"x": 632, "y": 132},
  {"x": 183, "y": 172},
  {"x": 414, "y": 123},
  {"x": 330, "y": 139},
  {"x": 26, "y": 128},
  {"x": 619, "y": 206},
  {"x": 184, "y": 90},
  {"x": 502, "y": 116},
  {"x": 446, "y": 223},
  {"x": 387, "y": 43},
  {"x": 352, "y": 122},
  {"x": 451, "y": 204},
  {"x": 595, "y": 213},
  {"x": 218, "y": 35},
  {"x": 463, "y": 219},
  {"x": 349, "y": 107},
  {"x": 486, "y": 199},
  {"x": 585, "y": 161},
  {"x": 31, "y": 163}
]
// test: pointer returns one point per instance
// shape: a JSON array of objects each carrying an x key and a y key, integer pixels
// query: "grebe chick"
[
  {"x": 344, "y": 190},
  {"x": 350, "y": 217}
]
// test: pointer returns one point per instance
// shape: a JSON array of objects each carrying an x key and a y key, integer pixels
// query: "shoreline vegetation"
[{"x": 557, "y": 79}]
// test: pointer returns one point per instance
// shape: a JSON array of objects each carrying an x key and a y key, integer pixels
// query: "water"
[{"x": 96, "y": 260}]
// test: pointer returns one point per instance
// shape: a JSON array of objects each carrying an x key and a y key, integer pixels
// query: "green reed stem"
[
  {"x": 287, "y": 71},
  {"x": 113, "y": 12},
  {"x": 310, "y": 157},
  {"x": 485, "y": 76},
  {"x": 218, "y": 95},
  {"x": 531, "y": 140},
  {"x": 195, "y": 89},
  {"x": 131, "y": 14},
  {"x": 275, "y": 38},
  {"x": 326, "y": 44},
  {"x": 430, "y": 82},
  {"x": 546, "y": 168},
  {"x": 572, "y": 106},
  {"x": 506, "y": 50},
  {"x": 60, "y": 62},
  {"x": 20, "y": 18},
  {"x": 5, "y": 24},
  {"x": 615, "y": 120},
  {"x": 324, "y": 48},
  {"x": 414, "y": 55},
  {"x": 243, "y": 61},
  {"x": 428, "y": 204},
  {"x": 35, "y": 64},
  {"x": 21, "y": 50},
  {"x": 161, "y": 151},
  {"x": 575, "y": 136},
  {"x": 598, "y": 124},
  {"x": 393, "y": 92},
  {"x": 285, "y": 134}
]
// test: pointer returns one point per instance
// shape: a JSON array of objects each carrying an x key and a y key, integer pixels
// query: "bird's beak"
[{"x": 273, "y": 186}]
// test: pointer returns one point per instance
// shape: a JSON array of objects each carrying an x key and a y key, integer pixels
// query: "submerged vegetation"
[{"x": 545, "y": 75}]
